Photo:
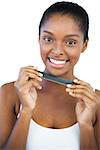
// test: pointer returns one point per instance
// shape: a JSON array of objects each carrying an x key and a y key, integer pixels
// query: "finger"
[
  {"x": 83, "y": 87},
  {"x": 31, "y": 70},
  {"x": 26, "y": 76},
  {"x": 33, "y": 76},
  {"x": 80, "y": 106},
  {"x": 88, "y": 101},
  {"x": 35, "y": 69},
  {"x": 25, "y": 88},
  {"x": 22, "y": 79},
  {"x": 36, "y": 85},
  {"x": 30, "y": 67},
  {"x": 82, "y": 83},
  {"x": 78, "y": 86},
  {"x": 82, "y": 92}
]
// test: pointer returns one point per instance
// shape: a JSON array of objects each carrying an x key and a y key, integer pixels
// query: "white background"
[{"x": 19, "y": 20}]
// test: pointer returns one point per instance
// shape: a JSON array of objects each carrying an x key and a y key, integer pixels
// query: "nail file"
[{"x": 55, "y": 79}]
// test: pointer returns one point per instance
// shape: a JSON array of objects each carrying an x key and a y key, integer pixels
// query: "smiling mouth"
[{"x": 58, "y": 62}]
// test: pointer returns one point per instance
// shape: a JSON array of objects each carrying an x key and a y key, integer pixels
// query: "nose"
[{"x": 58, "y": 49}]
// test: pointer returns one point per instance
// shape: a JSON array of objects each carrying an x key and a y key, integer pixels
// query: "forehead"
[{"x": 61, "y": 23}]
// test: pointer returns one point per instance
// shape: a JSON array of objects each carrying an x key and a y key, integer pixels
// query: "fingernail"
[
  {"x": 75, "y": 80},
  {"x": 69, "y": 85},
  {"x": 67, "y": 90},
  {"x": 70, "y": 93},
  {"x": 40, "y": 87},
  {"x": 40, "y": 74},
  {"x": 35, "y": 67},
  {"x": 40, "y": 79}
]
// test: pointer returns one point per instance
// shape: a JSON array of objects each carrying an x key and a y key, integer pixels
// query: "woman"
[{"x": 37, "y": 114}]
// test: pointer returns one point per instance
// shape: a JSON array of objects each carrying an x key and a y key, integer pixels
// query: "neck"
[{"x": 67, "y": 75}]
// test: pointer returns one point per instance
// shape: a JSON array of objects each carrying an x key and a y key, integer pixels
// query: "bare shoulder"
[
  {"x": 97, "y": 124},
  {"x": 8, "y": 87},
  {"x": 9, "y": 108},
  {"x": 97, "y": 92},
  {"x": 9, "y": 97},
  {"x": 98, "y": 101}
]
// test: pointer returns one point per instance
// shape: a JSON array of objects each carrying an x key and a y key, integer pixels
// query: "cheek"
[
  {"x": 74, "y": 56},
  {"x": 43, "y": 52}
]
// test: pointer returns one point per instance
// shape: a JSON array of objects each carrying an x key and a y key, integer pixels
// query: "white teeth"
[{"x": 58, "y": 62}]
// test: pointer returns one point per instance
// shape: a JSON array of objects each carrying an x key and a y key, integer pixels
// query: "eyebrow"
[
  {"x": 48, "y": 32},
  {"x": 69, "y": 35}
]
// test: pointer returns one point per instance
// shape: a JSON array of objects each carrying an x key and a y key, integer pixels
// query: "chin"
[{"x": 57, "y": 72}]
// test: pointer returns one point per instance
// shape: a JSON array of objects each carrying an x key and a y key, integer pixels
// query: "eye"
[
  {"x": 71, "y": 43},
  {"x": 48, "y": 39}
]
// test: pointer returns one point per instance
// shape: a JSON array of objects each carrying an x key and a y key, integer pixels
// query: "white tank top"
[{"x": 42, "y": 138}]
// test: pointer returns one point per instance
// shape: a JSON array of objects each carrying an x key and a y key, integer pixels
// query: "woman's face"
[{"x": 61, "y": 42}]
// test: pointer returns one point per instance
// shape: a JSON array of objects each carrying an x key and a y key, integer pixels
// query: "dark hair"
[{"x": 71, "y": 9}]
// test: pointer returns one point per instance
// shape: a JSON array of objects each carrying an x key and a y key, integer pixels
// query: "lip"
[
  {"x": 58, "y": 59},
  {"x": 58, "y": 63}
]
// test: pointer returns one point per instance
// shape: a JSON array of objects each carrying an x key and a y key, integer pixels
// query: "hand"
[
  {"x": 28, "y": 81},
  {"x": 87, "y": 101}
]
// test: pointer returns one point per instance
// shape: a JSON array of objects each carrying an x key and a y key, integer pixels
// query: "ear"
[{"x": 85, "y": 44}]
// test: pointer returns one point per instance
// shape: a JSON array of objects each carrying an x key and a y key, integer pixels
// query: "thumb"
[
  {"x": 79, "y": 107},
  {"x": 33, "y": 93}
]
